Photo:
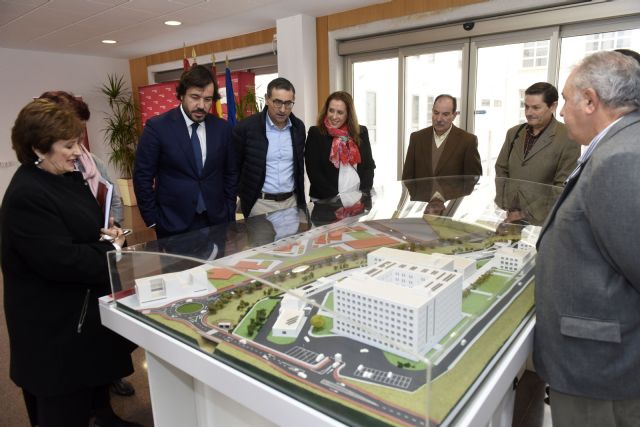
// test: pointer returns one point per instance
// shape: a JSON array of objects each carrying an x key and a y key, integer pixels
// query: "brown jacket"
[{"x": 459, "y": 157}]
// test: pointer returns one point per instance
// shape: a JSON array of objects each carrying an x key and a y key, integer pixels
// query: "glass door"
[
  {"x": 429, "y": 72},
  {"x": 580, "y": 41},
  {"x": 375, "y": 93},
  {"x": 504, "y": 69}
]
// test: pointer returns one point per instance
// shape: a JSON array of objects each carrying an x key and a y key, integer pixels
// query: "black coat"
[
  {"x": 323, "y": 175},
  {"x": 250, "y": 140},
  {"x": 54, "y": 270},
  {"x": 166, "y": 179}
]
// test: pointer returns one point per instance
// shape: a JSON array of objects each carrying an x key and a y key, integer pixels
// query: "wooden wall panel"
[
  {"x": 322, "y": 51},
  {"x": 392, "y": 9},
  {"x": 139, "y": 76}
]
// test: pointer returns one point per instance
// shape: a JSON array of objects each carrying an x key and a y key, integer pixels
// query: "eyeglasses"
[{"x": 279, "y": 104}]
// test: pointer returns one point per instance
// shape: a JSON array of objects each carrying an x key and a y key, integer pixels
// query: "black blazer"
[
  {"x": 54, "y": 270},
  {"x": 323, "y": 175},
  {"x": 165, "y": 155},
  {"x": 251, "y": 143}
]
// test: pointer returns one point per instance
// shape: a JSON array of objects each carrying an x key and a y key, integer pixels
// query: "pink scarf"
[
  {"x": 343, "y": 149},
  {"x": 89, "y": 170}
]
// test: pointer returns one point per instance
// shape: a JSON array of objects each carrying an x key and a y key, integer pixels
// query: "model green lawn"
[{"x": 190, "y": 308}]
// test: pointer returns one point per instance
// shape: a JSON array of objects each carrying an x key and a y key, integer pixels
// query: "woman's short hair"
[
  {"x": 77, "y": 105},
  {"x": 352, "y": 118},
  {"x": 41, "y": 123}
]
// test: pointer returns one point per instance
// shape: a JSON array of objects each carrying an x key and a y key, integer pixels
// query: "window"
[
  {"x": 608, "y": 41},
  {"x": 500, "y": 74},
  {"x": 487, "y": 74},
  {"x": 415, "y": 112},
  {"x": 535, "y": 54},
  {"x": 574, "y": 48},
  {"x": 371, "y": 117}
]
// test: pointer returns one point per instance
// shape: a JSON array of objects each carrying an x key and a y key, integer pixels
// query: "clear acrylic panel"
[
  {"x": 374, "y": 320},
  {"x": 504, "y": 72}
]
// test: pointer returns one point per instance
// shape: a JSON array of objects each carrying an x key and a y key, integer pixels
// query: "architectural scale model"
[{"x": 342, "y": 316}]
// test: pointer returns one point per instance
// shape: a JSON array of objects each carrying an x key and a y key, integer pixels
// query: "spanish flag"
[{"x": 231, "y": 99}]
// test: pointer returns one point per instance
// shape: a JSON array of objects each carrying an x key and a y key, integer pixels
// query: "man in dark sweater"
[{"x": 270, "y": 154}]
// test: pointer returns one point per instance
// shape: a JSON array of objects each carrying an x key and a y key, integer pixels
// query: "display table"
[
  {"x": 395, "y": 310},
  {"x": 188, "y": 388}
]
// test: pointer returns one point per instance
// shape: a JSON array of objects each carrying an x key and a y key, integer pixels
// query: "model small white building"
[
  {"x": 291, "y": 316},
  {"x": 529, "y": 237},
  {"x": 512, "y": 259},
  {"x": 397, "y": 306},
  {"x": 151, "y": 289},
  {"x": 172, "y": 285},
  {"x": 459, "y": 264}
]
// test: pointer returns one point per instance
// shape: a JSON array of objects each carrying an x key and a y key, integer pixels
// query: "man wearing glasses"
[{"x": 270, "y": 154}]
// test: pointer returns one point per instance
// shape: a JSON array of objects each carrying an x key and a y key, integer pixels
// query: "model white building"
[
  {"x": 151, "y": 289},
  {"x": 399, "y": 306},
  {"x": 172, "y": 285},
  {"x": 459, "y": 264},
  {"x": 512, "y": 259},
  {"x": 529, "y": 237},
  {"x": 291, "y": 316}
]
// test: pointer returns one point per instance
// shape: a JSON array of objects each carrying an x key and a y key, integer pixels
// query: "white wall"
[
  {"x": 297, "y": 60},
  {"x": 26, "y": 74}
]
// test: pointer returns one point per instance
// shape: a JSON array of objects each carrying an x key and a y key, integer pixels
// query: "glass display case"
[{"x": 395, "y": 308}]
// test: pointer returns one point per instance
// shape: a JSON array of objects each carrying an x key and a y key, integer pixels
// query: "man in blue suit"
[{"x": 185, "y": 171}]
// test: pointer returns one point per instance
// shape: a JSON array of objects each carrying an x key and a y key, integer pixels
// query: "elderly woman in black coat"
[{"x": 55, "y": 268}]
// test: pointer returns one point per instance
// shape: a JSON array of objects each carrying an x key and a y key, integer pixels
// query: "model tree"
[{"x": 317, "y": 322}]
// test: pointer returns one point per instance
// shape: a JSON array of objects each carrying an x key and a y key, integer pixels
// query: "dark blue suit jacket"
[{"x": 166, "y": 155}]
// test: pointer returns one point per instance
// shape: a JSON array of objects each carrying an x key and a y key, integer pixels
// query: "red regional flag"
[
  {"x": 185, "y": 61},
  {"x": 217, "y": 109}
]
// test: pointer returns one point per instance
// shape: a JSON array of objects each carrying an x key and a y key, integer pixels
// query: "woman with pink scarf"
[{"x": 338, "y": 153}]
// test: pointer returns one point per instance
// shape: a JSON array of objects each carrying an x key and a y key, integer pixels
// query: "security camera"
[{"x": 468, "y": 26}]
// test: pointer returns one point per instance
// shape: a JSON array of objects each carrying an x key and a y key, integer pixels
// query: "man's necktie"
[
  {"x": 197, "y": 152},
  {"x": 195, "y": 143}
]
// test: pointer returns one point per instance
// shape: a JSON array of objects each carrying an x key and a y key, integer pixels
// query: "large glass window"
[
  {"x": 487, "y": 74},
  {"x": 375, "y": 92},
  {"x": 502, "y": 75},
  {"x": 573, "y": 49},
  {"x": 428, "y": 75}
]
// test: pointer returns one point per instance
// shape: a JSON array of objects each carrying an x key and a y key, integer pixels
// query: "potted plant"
[
  {"x": 249, "y": 104},
  {"x": 121, "y": 133}
]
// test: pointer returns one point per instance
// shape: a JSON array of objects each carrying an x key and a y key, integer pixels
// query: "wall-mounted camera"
[{"x": 468, "y": 26}]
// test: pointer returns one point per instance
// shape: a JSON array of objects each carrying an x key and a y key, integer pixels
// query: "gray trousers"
[{"x": 570, "y": 411}]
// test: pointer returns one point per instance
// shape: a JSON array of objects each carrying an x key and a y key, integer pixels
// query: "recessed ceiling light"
[
  {"x": 172, "y": 23},
  {"x": 109, "y": 41}
]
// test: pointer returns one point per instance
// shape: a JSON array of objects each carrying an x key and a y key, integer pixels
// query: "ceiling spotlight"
[
  {"x": 109, "y": 41},
  {"x": 172, "y": 23}
]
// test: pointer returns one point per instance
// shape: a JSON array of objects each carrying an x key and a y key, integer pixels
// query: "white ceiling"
[{"x": 79, "y": 26}]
